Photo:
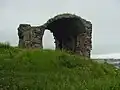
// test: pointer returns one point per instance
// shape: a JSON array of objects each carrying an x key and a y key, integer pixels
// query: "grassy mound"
[{"x": 22, "y": 69}]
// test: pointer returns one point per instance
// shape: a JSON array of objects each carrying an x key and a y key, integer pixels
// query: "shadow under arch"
[{"x": 65, "y": 28}]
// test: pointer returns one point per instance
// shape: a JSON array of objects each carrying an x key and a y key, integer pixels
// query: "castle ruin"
[{"x": 70, "y": 32}]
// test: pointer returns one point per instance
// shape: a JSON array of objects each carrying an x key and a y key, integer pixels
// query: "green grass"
[{"x": 26, "y": 69}]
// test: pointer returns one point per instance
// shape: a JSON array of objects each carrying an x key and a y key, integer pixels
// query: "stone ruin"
[{"x": 71, "y": 33}]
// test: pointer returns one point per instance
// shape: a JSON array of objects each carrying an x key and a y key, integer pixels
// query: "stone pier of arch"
[{"x": 71, "y": 33}]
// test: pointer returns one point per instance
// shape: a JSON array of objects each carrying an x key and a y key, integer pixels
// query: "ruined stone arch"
[{"x": 70, "y": 31}]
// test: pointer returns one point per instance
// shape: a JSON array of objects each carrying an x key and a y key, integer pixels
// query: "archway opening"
[
  {"x": 48, "y": 40},
  {"x": 65, "y": 30}
]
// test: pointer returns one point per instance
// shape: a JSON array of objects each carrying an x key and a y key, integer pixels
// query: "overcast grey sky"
[{"x": 104, "y": 15}]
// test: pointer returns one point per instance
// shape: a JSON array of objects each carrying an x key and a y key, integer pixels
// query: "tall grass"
[{"x": 34, "y": 69}]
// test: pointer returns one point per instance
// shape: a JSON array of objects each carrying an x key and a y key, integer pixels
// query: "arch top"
[
  {"x": 67, "y": 23},
  {"x": 62, "y": 16},
  {"x": 65, "y": 16}
]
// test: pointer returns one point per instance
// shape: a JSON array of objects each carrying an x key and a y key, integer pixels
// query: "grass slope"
[{"x": 22, "y": 69}]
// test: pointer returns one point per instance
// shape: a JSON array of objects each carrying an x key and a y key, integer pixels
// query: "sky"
[{"x": 103, "y": 14}]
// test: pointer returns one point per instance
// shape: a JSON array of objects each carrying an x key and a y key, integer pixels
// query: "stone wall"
[
  {"x": 24, "y": 34},
  {"x": 84, "y": 40},
  {"x": 31, "y": 37}
]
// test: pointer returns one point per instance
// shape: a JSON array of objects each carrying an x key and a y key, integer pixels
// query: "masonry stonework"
[{"x": 70, "y": 32}]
